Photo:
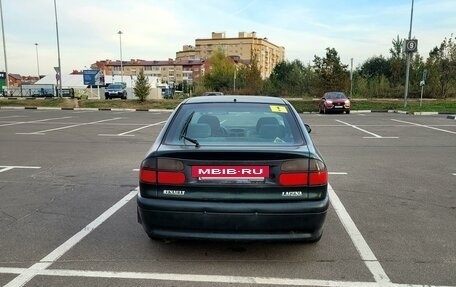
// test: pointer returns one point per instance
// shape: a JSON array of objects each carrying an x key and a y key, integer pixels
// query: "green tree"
[
  {"x": 252, "y": 76},
  {"x": 375, "y": 67},
  {"x": 142, "y": 86},
  {"x": 221, "y": 75},
  {"x": 397, "y": 62},
  {"x": 291, "y": 79},
  {"x": 332, "y": 74},
  {"x": 442, "y": 68}
]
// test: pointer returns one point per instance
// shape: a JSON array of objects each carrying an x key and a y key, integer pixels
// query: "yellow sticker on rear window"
[{"x": 279, "y": 109}]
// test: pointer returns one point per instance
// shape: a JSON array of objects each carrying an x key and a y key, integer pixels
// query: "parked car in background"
[
  {"x": 212, "y": 94},
  {"x": 233, "y": 168},
  {"x": 334, "y": 102},
  {"x": 116, "y": 90}
]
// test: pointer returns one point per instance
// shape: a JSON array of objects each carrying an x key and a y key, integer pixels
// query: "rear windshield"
[{"x": 234, "y": 124}]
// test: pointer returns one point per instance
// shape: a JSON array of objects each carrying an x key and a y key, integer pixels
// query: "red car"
[{"x": 334, "y": 101}]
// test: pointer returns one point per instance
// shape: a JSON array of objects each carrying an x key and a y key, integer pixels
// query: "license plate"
[
  {"x": 257, "y": 172},
  {"x": 338, "y": 107}
]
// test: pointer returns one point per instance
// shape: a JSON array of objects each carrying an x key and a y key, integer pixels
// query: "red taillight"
[
  {"x": 162, "y": 171},
  {"x": 148, "y": 176},
  {"x": 303, "y": 172},
  {"x": 293, "y": 179},
  {"x": 171, "y": 177},
  {"x": 318, "y": 178}
]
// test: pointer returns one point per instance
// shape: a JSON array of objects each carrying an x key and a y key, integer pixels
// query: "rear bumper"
[
  {"x": 337, "y": 108},
  {"x": 301, "y": 220}
]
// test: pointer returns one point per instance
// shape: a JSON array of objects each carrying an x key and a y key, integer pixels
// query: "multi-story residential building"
[
  {"x": 192, "y": 61},
  {"x": 169, "y": 71},
  {"x": 245, "y": 46}
]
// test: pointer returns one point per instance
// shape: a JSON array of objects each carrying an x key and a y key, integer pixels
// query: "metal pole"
[
  {"x": 421, "y": 97},
  {"x": 351, "y": 77},
  {"x": 234, "y": 80},
  {"x": 58, "y": 48},
  {"x": 409, "y": 56},
  {"x": 121, "y": 62},
  {"x": 4, "y": 47},
  {"x": 37, "y": 60}
]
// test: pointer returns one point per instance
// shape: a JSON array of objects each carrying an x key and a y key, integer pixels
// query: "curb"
[
  {"x": 453, "y": 117},
  {"x": 83, "y": 109}
]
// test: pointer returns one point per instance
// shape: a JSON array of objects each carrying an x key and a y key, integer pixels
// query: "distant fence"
[{"x": 37, "y": 91}]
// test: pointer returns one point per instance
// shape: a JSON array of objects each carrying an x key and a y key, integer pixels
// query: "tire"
[
  {"x": 320, "y": 110},
  {"x": 347, "y": 112}
]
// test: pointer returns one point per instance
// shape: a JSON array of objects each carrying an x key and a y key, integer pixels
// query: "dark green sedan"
[{"x": 233, "y": 168}]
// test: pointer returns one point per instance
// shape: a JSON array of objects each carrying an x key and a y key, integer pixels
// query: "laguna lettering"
[
  {"x": 173, "y": 192},
  {"x": 292, "y": 193}
]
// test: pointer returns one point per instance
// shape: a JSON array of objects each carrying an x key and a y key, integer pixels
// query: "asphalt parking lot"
[{"x": 68, "y": 216}]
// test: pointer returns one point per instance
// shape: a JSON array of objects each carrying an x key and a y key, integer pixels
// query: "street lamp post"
[
  {"x": 59, "y": 72},
  {"x": 409, "y": 56},
  {"x": 4, "y": 46},
  {"x": 37, "y": 60},
  {"x": 121, "y": 62}
]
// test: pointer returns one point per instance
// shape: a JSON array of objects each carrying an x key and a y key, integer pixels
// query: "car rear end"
[{"x": 232, "y": 188}]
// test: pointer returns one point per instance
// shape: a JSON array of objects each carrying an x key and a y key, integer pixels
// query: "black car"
[
  {"x": 116, "y": 90},
  {"x": 233, "y": 168}
]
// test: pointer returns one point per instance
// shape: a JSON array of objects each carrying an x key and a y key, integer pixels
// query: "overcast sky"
[{"x": 156, "y": 29}]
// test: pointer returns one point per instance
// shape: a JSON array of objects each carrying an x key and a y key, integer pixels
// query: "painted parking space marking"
[
  {"x": 206, "y": 278},
  {"x": 425, "y": 126},
  {"x": 30, "y": 273},
  {"x": 41, "y": 268},
  {"x": 358, "y": 240},
  {"x": 31, "y": 122},
  {"x": 15, "y": 116},
  {"x": 67, "y": 127},
  {"x": 337, "y": 173},
  {"x": 4, "y": 168},
  {"x": 132, "y": 131},
  {"x": 373, "y": 136}
]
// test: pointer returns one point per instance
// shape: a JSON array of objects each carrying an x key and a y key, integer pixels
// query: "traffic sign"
[{"x": 411, "y": 46}]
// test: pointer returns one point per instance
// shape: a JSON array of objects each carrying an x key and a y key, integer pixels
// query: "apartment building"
[
  {"x": 169, "y": 71},
  {"x": 192, "y": 61},
  {"x": 245, "y": 46}
]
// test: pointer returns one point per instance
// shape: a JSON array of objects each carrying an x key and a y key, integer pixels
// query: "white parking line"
[
  {"x": 48, "y": 260},
  {"x": 27, "y": 274},
  {"x": 132, "y": 131},
  {"x": 31, "y": 122},
  {"x": 357, "y": 238},
  {"x": 4, "y": 168},
  {"x": 425, "y": 126},
  {"x": 8, "y": 117},
  {"x": 206, "y": 278},
  {"x": 337, "y": 173},
  {"x": 67, "y": 127},
  {"x": 374, "y": 136}
]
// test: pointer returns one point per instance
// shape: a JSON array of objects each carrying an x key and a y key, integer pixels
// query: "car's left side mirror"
[{"x": 308, "y": 128}]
